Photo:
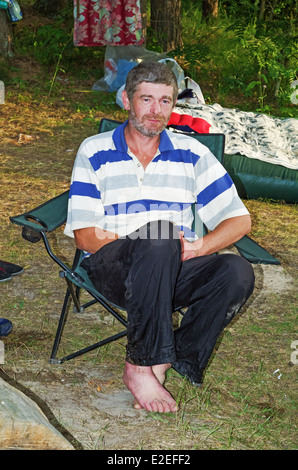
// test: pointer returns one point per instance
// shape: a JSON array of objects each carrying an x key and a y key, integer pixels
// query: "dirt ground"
[{"x": 91, "y": 407}]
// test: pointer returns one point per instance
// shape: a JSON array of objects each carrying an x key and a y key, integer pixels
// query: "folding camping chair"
[{"x": 39, "y": 222}]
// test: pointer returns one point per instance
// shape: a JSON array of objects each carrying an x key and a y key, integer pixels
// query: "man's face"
[{"x": 150, "y": 108}]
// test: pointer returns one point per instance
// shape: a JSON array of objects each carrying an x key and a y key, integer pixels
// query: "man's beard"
[{"x": 143, "y": 129}]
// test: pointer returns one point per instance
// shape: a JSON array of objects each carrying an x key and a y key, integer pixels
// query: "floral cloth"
[{"x": 107, "y": 22}]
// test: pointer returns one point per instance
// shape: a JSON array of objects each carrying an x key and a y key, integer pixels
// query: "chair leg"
[
  {"x": 75, "y": 296},
  {"x": 63, "y": 316},
  {"x": 92, "y": 347},
  {"x": 71, "y": 294}
]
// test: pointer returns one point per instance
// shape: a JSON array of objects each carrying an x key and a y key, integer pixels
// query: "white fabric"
[{"x": 254, "y": 135}]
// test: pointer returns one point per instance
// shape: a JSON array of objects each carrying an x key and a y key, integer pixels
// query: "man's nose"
[{"x": 155, "y": 107}]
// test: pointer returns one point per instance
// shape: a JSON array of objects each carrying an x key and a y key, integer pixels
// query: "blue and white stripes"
[{"x": 111, "y": 190}]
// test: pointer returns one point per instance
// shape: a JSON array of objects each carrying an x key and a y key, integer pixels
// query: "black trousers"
[{"x": 144, "y": 274}]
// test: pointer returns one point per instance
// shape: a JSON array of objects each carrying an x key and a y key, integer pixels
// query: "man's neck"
[{"x": 143, "y": 147}]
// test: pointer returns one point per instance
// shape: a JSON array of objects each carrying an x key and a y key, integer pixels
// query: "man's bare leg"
[
  {"x": 159, "y": 370},
  {"x": 147, "y": 388}
]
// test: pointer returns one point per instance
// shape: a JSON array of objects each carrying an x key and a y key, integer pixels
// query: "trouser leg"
[
  {"x": 150, "y": 287},
  {"x": 139, "y": 273},
  {"x": 144, "y": 274},
  {"x": 214, "y": 288}
]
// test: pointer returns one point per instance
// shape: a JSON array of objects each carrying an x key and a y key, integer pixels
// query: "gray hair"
[{"x": 150, "y": 72}]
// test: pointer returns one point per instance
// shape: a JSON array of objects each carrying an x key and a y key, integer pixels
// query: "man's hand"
[
  {"x": 187, "y": 248},
  {"x": 225, "y": 234}
]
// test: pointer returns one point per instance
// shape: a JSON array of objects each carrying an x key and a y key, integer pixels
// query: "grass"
[{"x": 244, "y": 403}]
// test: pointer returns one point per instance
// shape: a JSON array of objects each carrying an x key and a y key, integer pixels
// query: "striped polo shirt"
[{"x": 111, "y": 190}]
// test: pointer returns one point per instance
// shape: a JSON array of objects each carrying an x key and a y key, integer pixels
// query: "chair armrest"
[
  {"x": 47, "y": 217},
  {"x": 41, "y": 220}
]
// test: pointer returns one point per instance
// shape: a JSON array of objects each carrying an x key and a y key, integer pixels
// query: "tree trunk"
[
  {"x": 210, "y": 8},
  {"x": 143, "y": 4},
  {"x": 166, "y": 22},
  {"x": 262, "y": 11},
  {"x": 6, "y": 49}
]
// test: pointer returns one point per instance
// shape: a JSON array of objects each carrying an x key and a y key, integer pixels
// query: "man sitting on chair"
[{"x": 130, "y": 209}]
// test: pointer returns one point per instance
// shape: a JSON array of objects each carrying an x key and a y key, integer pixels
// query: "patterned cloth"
[
  {"x": 111, "y": 190},
  {"x": 258, "y": 136},
  {"x": 107, "y": 22}
]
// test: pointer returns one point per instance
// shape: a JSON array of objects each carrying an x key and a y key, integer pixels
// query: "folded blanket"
[{"x": 254, "y": 135}]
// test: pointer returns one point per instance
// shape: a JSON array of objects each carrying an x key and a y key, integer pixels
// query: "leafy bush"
[{"x": 256, "y": 57}]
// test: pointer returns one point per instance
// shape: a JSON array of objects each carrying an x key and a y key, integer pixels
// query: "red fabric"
[
  {"x": 107, "y": 22},
  {"x": 196, "y": 124}
]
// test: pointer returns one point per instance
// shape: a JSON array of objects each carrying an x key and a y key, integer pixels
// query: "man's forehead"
[{"x": 148, "y": 88}]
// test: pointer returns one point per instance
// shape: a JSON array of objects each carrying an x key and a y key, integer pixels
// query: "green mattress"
[{"x": 257, "y": 179}]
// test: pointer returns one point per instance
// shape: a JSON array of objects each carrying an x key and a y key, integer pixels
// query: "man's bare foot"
[
  {"x": 147, "y": 390},
  {"x": 159, "y": 370}
]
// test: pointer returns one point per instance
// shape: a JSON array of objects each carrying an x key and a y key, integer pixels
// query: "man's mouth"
[{"x": 154, "y": 118}]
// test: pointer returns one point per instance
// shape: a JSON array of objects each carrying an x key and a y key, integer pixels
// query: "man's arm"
[
  {"x": 225, "y": 234},
  {"x": 91, "y": 239}
]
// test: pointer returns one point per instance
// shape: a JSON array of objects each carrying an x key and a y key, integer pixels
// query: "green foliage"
[
  {"x": 4, "y": 70},
  {"x": 49, "y": 42},
  {"x": 245, "y": 51},
  {"x": 46, "y": 44},
  {"x": 271, "y": 61},
  {"x": 244, "y": 9}
]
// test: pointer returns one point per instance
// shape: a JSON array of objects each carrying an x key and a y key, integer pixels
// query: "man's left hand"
[{"x": 187, "y": 248}]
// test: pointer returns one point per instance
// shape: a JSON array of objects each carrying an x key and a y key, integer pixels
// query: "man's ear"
[{"x": 125, "y": 100}]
